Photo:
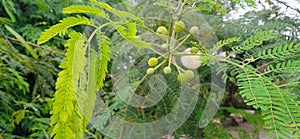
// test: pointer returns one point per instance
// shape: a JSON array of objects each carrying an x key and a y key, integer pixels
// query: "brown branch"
[
  {"x": 46, "y": 48},
  {"x": 285, "y": 4}
]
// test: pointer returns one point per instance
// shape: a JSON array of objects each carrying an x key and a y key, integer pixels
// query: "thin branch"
[
  {"x": 285, "y": 4},
  {"x": 46, "y": 48}
]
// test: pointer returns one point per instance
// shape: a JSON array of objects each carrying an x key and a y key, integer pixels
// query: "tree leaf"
[
  {"x": 61, "y": 28},
  {"x": 22, "y": 40},
  {"x": 86, "y": 10}
]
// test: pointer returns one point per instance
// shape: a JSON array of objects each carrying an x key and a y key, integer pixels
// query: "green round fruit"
[
  {"x": 167, "y": 70},
  {"x": 194, "y": 50},
  {"x": 179, "y": 26},
  {"x": 162, "y": 30},
  {"x": 189, "y": 74},
  {"x": 153, "y": 61},
  {"x": 150, "y": 71},
  {"x": 194, "y": 30},
  {"x": 181, "y": 77}
]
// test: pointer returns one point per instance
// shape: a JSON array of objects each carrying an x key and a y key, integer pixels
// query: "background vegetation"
[{"x": 28, "y": 71}]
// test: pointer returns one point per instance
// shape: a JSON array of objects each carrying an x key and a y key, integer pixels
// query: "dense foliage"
[
  {"x": 28, "y": 70},
  {"x": 51, "y": 91}
]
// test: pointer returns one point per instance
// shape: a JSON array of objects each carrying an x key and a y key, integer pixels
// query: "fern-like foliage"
[
  {"x": 279, "y": 106},
  {"x": 92, "y": 84},
  {"x": 282, "y": 51},
  {"x": 253, "y": 41},
  {"x": 228, "y": 41},
  {"x": 249, "y": 83},
  {"x": 103, "y": 58},
  {"x": 11, "y": 78},
  {"x": 86, "y": 94},
  {"x": 86, "y": 10},
  {"x": 84, "y": 68},
  {"x": 290, "y": 66},
  {"x": 66, "y": 118},
  {"x": 62, "y": 27},
  {"x": 121, "y": 14}
]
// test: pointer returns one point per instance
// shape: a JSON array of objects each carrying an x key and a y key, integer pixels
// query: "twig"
[
  {"x": 285, "y": 4},
  {"x": 14, "y": 40}
]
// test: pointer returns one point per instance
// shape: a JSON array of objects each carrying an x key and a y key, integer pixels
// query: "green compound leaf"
[{"x": 62, "y": 27}]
